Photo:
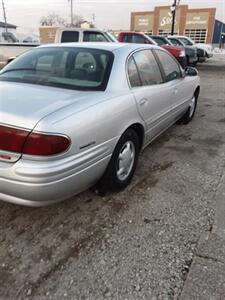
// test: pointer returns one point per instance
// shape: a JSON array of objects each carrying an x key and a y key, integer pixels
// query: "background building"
[
  {"x": 7, "y": 33},
  {"x": 198, "y": 24},
  {"x": 47, "y": 34}
]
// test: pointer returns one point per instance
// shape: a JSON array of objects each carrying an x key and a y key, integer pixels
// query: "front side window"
[
  {"x": 170, "y": 66},
  {"x": 70, "y": 36},
  {"x": 64, "y": 67},
  {"x": 176, "y": 42},
  {"x": 91, "y": 36},
  {"x": 147, "y": 67}
]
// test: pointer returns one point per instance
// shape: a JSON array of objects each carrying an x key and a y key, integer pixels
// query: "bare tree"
[
  {"x": 77, "y": 20},
  {"x": 52, "y": 19}
]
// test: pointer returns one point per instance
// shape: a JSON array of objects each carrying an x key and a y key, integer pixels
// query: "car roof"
[
  {"x": 79, "y": 29},
  {"x": 102, "y": 46},
  {"x": 178, "y": 36}
]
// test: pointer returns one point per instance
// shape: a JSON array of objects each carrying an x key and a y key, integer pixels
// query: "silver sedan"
[{"x": 77, "y": 115}]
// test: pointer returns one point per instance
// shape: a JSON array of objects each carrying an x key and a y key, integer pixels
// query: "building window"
[
  {"x": 197, "y": 35},
  {"x": 166, "y": 33},
  {"x": 148, "y": 32},
  {"x": 51, "y": 35}
]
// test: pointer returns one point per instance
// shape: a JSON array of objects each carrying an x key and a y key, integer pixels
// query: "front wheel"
[{"x": 123, "y": 163}]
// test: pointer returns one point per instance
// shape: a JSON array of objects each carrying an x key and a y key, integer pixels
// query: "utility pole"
[
  {"x": 4, "y": 15},
  {"x": 173, "y": 10},
  {"x": 71, "y": 12}
]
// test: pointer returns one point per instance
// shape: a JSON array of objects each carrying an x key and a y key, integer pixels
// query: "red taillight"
[
  {"x": 24, "y": 142},
  {"x": 44, "y": 144},
  {"x": 12, "y": 139}
]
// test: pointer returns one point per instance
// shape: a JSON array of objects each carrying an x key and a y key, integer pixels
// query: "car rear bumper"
[{"x": 38, "y": 184}]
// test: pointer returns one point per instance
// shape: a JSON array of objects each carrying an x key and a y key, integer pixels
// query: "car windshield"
[
  {"x": 64, "y": 67},
  {"x": 177, "y": 42},
  {"x": 161, "y": 41},
  {"x": 187, "y": 42},
  {"x": 149, "y": 37},
  {"x": 111, "y": 37}
]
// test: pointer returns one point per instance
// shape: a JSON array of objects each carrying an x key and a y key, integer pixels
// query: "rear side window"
[
  {"x": 148, "y": 68},
  {"x": 170, "y": 66},
  {"x": 133, "y": 75},
  {"x": 137, "y": 39},
  {"x": 70, "y": 36},
  {"x": 90, "y": 36},
  {"x": 126, "y": 38}
]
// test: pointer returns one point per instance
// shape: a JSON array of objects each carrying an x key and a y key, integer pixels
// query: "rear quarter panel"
[{"x": 100, "y": 124}]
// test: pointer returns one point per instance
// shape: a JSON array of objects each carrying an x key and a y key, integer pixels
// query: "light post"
[{"x": 173, "y": 10}]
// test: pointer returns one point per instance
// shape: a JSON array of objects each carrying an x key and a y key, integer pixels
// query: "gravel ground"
[{"x": 136, "y": 244}]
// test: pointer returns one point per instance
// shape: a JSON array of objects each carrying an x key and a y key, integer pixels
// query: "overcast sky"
[{"x": 109, "y": 14}]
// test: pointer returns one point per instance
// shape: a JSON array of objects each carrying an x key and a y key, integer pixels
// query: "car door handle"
[
  {"x": 175, "y": 91},
  {"x": 143, "y": 102}
]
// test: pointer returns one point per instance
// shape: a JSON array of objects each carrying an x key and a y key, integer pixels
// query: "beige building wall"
[
  {"x": 47, "y": 34},
  {"x": 142, "y": 21},
  {"x": 191, "y": 22}
]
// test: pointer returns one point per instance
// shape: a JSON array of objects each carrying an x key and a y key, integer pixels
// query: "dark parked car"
[
  {"x": 190, "y": 51},
  {"x": 201, "y": 52}
]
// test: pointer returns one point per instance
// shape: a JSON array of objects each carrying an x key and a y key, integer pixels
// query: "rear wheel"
[
  {"x": 189, "y": 115},
  {"x": 123, "y": 163}
]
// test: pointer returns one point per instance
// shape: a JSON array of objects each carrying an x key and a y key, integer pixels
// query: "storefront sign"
[
  {"x": 165, "y": 19},
  {"x": 143, "y": 22},
  {"x": 197, "y": 20}
]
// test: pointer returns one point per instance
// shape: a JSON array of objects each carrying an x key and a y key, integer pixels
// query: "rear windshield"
[{"x": 64, "y": 67}]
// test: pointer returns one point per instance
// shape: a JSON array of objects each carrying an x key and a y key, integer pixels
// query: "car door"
[
  {"x": 180, "y": 87},
  {"x": 153, "y": 96}
]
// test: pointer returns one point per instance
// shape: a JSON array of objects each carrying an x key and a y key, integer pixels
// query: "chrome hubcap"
[
  {"x": 125, "y": 161},
  {"x": 192, "y": 107}
]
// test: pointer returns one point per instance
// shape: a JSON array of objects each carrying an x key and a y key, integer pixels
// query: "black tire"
[
  {"x": 194, "y": 64},
  {"x": 110, "y": 180},
  {"x": 187, "y": 59},
  {"x": 189, "y": 115}
]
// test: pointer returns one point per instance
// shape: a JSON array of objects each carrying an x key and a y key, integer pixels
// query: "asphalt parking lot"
[{"x": 136, "y": 244}]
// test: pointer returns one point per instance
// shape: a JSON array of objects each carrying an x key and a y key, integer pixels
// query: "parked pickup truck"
[
  {"x": 68, "y": 35},
  {"x": 141, "y": 38},
  {"x": 8, "y": 51},
  {"x": 63, "y": 35},
  {"x": 190, "y": 51}
]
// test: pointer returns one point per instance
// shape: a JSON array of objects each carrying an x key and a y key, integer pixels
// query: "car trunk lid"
[{"x": 22, "y": 106}]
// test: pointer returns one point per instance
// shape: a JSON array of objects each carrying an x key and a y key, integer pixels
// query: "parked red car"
[{"x": 141, "y": 38}]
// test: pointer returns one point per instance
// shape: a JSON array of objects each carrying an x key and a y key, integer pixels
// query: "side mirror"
[{"x": 190, "y": 71}]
